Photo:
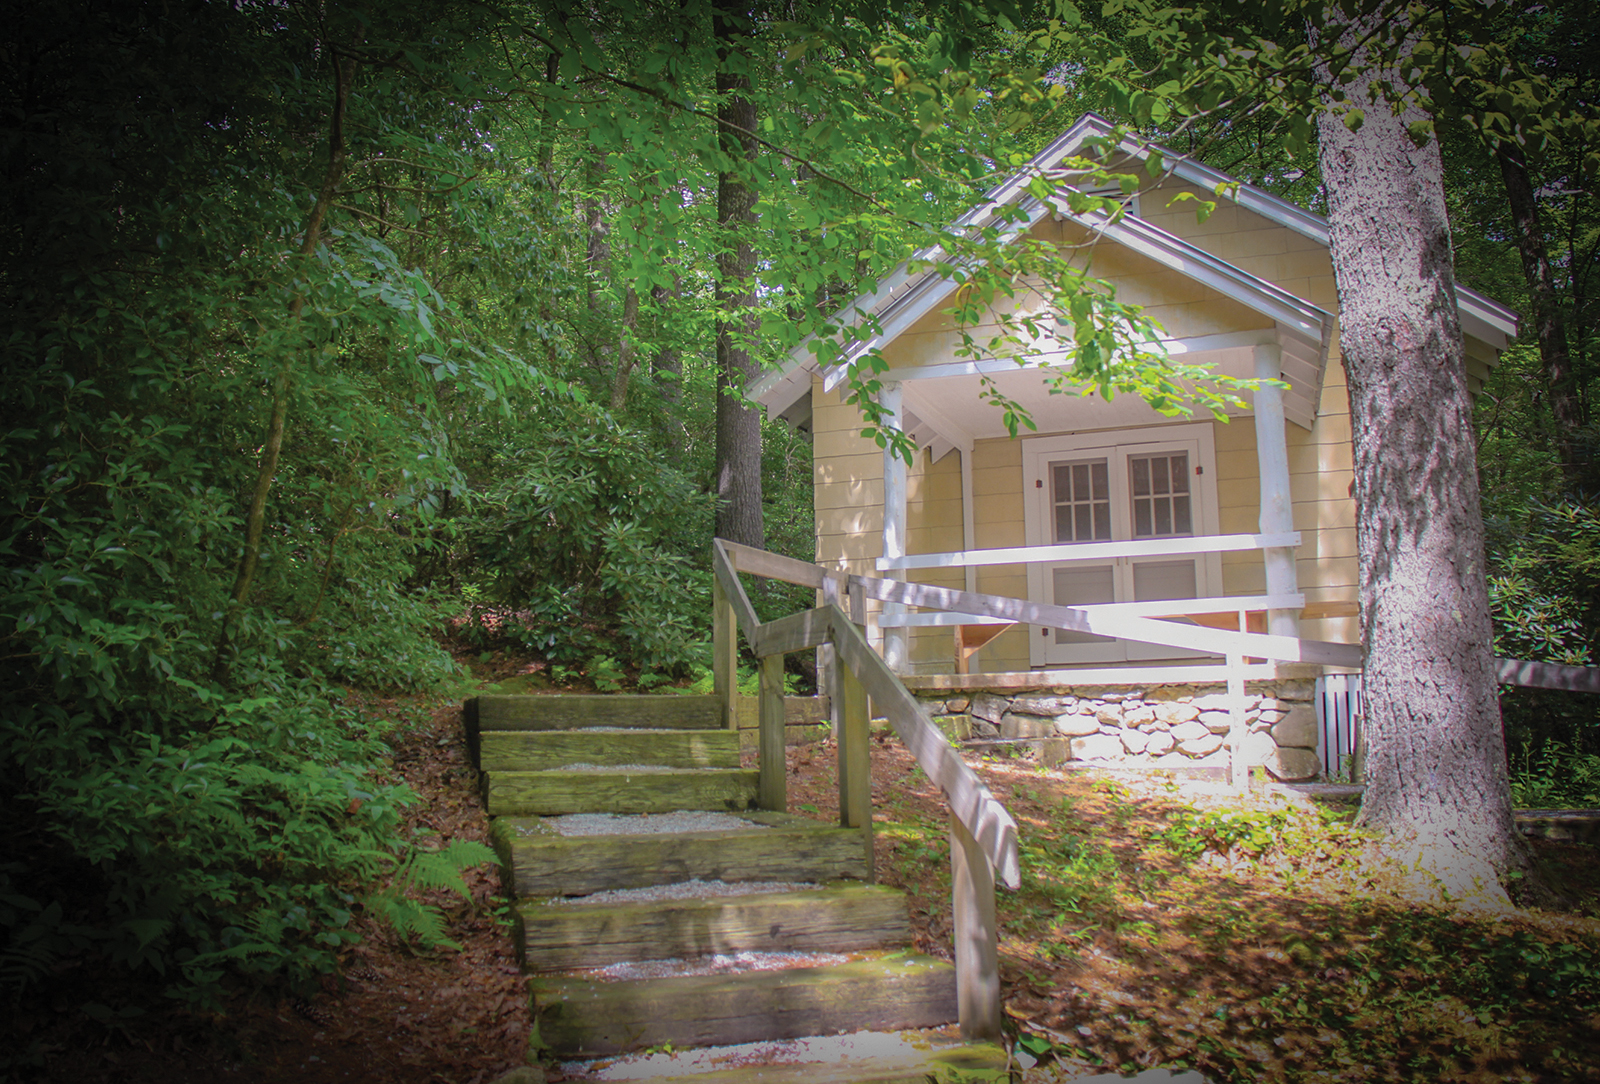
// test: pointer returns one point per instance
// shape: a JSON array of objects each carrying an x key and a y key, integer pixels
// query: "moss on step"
[
  {"x": 543, "y": 864},
  {"x": 839, "y": 918},
  {"x": 579, "y": 1017},
  {"x": 533, "y": 751},
  {"x": 618, "y": 791}
]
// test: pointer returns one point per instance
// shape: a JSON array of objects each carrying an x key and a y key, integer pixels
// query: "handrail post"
[
  {"x": 977, "y": 936},
  {"x": 724, "y": 655},
  {"x": 772, "y": 791},
  {"x": 855, "y": 757},
  {"x": 827, "y": 660}
]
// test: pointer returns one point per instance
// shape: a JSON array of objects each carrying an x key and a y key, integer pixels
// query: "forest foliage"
[{"x": 243, "y": 474}]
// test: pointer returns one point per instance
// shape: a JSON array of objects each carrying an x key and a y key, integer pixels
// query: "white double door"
[{"x": 1121, "y": 486}]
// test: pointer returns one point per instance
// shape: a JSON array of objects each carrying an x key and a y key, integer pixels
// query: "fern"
[{"x": 422, "y": 870}]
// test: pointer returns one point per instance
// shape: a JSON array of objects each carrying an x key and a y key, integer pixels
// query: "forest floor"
[{"x": 1159, "y": 923}]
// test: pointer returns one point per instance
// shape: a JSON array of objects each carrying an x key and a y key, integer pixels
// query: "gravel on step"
[
  {"x": 623, "y": 730},
  {"x": 720, "y": 964},
  {"x": 615, "y": 824},
  {"x": 694, "y": 889},
  {"x": 821, "y": 1049},
  {"x": 632, "y": 768}
]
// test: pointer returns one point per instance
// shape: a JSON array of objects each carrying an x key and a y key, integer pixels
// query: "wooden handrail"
[{"x": 983, "y": 837}]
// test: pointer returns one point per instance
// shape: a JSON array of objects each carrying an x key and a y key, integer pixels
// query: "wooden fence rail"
[{"x": 1549, "y": 675}]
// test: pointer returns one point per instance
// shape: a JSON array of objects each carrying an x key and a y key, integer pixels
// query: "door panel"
[{"x": 1085, "y": 585}]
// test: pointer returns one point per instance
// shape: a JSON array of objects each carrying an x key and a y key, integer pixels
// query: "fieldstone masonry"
[{"x": 1163, "y": 726}]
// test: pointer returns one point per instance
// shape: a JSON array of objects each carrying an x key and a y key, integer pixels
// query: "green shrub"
[
  {"x": 594, "y": 546},
  {"x": 1555, "y": 776},
  {"x": 1544, "y": 590}
]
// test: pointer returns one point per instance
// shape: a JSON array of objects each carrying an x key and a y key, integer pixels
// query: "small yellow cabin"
[{"x": 1110, "y": 506}]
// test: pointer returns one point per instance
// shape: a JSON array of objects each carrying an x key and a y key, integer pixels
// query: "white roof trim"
[
  {"x": 1283, "y": 308},
  {"x": 905, "y": 297}
]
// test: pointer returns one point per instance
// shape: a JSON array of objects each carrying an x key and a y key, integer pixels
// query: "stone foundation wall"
[{"x": 1163, "y": 726}]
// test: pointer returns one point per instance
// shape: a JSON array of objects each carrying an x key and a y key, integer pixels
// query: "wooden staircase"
[{"x": 719, "y": 923}]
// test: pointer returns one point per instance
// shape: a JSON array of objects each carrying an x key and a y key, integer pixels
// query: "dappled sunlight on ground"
[{"x": 1257, "y": 939}]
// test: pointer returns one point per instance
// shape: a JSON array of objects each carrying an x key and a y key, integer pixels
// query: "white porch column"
[
  {"x": 1277, "y": 508},
  {"x": 894, "y": 522},
  {"x": 969, "y": 527}
]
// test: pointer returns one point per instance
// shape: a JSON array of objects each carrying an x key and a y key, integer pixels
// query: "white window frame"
[{"x": 1116, "y": 445}]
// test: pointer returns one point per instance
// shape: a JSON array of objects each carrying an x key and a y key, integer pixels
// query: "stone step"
[
  {"x": 618, "y": 790},
  {"x": 774, "y": 847},
  {"x": 836, "y": 1059},
  {"x": 536, "y": 751},
  {"x": 843, "y": 917},
  {"x": 581, "y": 1017}
]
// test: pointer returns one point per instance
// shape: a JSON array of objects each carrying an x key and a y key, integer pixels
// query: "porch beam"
[{"x": 1277, "y": 505}]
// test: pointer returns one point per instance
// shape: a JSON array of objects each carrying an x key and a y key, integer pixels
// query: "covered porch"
[{"x": 1121, "y": 512}]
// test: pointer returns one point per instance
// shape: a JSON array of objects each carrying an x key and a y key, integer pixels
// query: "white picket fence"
[{"x": 1338, "y": 701}]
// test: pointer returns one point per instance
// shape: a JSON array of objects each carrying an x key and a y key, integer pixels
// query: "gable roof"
[{"x": 1304, "y": 330}]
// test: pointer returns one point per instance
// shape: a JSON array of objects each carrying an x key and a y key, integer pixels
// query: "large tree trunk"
[
  {"x": 667, "y": 371},
  {"x": 1435, "y": 750},
  {"x": 626, "y": 353},
  {"x": 738, "y": 453},
  {"x": 1544, "y": 314},
  {"x": 596, "y": 320}
]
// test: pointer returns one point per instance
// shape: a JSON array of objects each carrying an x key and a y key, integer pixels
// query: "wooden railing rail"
[
  {"x": 983, "y": 837},
  {"x": 1549, "y": 675}
]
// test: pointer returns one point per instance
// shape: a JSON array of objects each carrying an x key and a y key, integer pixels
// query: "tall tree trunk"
[
  {"x": 596, "y": 261},
  {"x": 626, "y": 354},
  {"x": 1549, "y": 326},
  {"x": 1435, "y": 750},
  {"x": 667, "y": 370},
  {"x": 344, "y": 70},
  {"x": 738, "y": 452}
]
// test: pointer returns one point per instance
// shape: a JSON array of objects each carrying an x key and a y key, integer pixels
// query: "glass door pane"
[
  {"x": 1080, "y": 497},
  {"x": 1159, "y": 490}
]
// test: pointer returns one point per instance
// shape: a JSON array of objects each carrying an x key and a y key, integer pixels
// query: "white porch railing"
[
  {"x": 894, "y": 617},
  {"x": 1091, "y": 551}
]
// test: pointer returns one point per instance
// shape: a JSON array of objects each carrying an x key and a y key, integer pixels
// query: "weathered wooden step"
[
  {"x": 535, "y": 751},
  {"x": 787, "y": 848},
  {"x": 525, "y": 712},
  {"x": 618, "y": 790},
  {"x": 843, "y": 917},
  {"x": 584, "y": 1017},
  {"x": 974, "y": 1063}
]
